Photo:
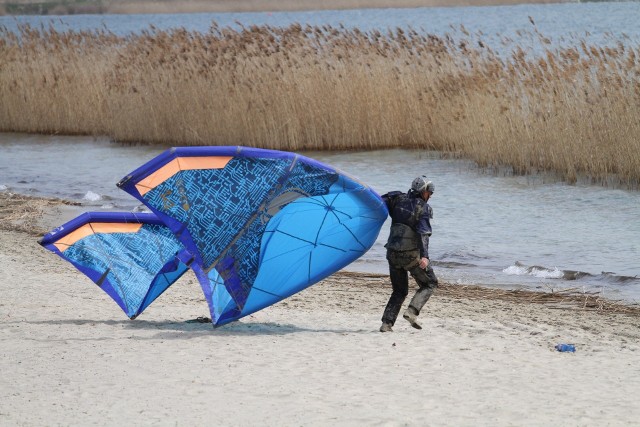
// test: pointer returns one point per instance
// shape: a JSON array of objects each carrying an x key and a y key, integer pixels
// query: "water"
[
  {"x": 597, "y": 22},
  {"x": 503, "y": 231}
]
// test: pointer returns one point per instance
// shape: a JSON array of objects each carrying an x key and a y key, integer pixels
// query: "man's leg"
[
  {"x": 400, "y": 284},
  {"x": 427, "y": 282}
]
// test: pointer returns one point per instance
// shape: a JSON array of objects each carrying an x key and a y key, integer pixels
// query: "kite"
[
  {"x": 134, "y": 258},
  {"x": 254, "y": 225}
]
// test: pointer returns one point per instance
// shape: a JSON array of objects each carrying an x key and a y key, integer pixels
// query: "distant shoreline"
[{"x": 75, "y": 7}]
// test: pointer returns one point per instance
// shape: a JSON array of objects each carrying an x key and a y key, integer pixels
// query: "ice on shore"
[{"x": 92, "y": 197}]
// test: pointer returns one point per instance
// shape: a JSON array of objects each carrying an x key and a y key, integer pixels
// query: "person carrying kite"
[{"x": 408, "y": 251}]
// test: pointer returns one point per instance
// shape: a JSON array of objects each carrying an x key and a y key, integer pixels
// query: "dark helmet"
[{"x": 421, "y": 184}]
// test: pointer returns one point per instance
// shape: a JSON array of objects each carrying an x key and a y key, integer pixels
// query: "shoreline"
[
  {"x": 70, "y": 356},
  {"x": 36, "y": 216},
  {"x": 35, "y": 7}
]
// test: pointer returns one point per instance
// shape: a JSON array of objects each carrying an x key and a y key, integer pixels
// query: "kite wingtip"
[{"x": 123, "y": 181}]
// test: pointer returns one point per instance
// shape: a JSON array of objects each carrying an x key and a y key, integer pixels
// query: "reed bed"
[{"x": 572, "y": 110}]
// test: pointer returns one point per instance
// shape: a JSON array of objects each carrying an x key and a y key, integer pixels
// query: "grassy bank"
[{"x": 573, "y": 110}]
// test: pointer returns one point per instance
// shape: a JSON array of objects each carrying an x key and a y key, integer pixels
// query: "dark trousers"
[{"x": 401, "y": 264}]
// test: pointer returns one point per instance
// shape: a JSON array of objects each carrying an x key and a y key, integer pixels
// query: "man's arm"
[
  {"x": 423, "y": 244},
  {"x": 423, "y": 229}
]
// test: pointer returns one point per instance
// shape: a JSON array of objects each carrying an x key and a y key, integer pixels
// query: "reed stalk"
[{"x": 572, "y": 110}]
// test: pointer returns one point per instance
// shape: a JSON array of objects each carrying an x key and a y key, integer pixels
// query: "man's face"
[{"x": 426, "y": 195}]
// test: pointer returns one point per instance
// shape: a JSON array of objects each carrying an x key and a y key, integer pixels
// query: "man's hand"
[{"x": 424, "y": 262}]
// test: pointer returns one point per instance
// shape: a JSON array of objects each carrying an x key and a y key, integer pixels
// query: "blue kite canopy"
[
  {"x": 134, "y": 258},
  {"x": 260, "y": 224},
  {"x": 256, "y": 226}
]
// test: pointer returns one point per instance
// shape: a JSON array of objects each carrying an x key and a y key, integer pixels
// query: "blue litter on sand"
[{"x": 566, "y": 348}]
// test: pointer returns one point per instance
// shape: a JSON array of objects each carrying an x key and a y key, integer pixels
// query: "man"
[{"x": 408, "y": 251}]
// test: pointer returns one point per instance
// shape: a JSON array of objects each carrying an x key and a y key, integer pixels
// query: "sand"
[{"x": 69, "y": 356}]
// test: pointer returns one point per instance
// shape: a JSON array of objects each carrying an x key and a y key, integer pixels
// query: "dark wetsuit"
[{"x": 408, "y": 242}]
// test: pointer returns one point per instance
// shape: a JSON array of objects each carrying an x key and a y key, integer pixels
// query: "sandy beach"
[{"x": 69, "y": 356}]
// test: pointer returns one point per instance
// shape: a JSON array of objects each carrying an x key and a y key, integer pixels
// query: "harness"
[{"x": 402, "y": 235}]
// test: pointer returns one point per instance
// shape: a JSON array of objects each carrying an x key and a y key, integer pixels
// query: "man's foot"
[
  {"x": 412, "y": 318},
  {"x": 386, "y": 327}
]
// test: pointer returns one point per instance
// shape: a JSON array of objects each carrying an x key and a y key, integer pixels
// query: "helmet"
[{"x": 421, "y": 184}]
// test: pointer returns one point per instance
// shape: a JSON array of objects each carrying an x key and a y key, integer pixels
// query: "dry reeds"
[
  {"x": 22, "y": 213},
  {"x": 572, "y": 110}
]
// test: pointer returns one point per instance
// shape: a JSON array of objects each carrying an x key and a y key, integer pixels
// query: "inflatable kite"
[
  {"x": 132, "y": 257},
  {"x": 255, "y": 226}
]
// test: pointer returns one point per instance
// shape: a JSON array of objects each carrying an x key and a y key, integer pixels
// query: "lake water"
[
  {"x": 503, "y": 231},
  {"x": 565, "y": 23}
]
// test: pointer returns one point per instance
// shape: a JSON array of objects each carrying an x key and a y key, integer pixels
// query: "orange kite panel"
[
  {"x": 95, "y": 228},
  {"x": 176, "y": 165}
]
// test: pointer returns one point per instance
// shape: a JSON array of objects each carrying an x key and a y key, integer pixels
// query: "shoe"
[
  {"x": 386, "y": 327},
  {"x": 411, "y": 317}
]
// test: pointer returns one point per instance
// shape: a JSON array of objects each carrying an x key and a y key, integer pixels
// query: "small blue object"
[{"x": 566, "y": 347}]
